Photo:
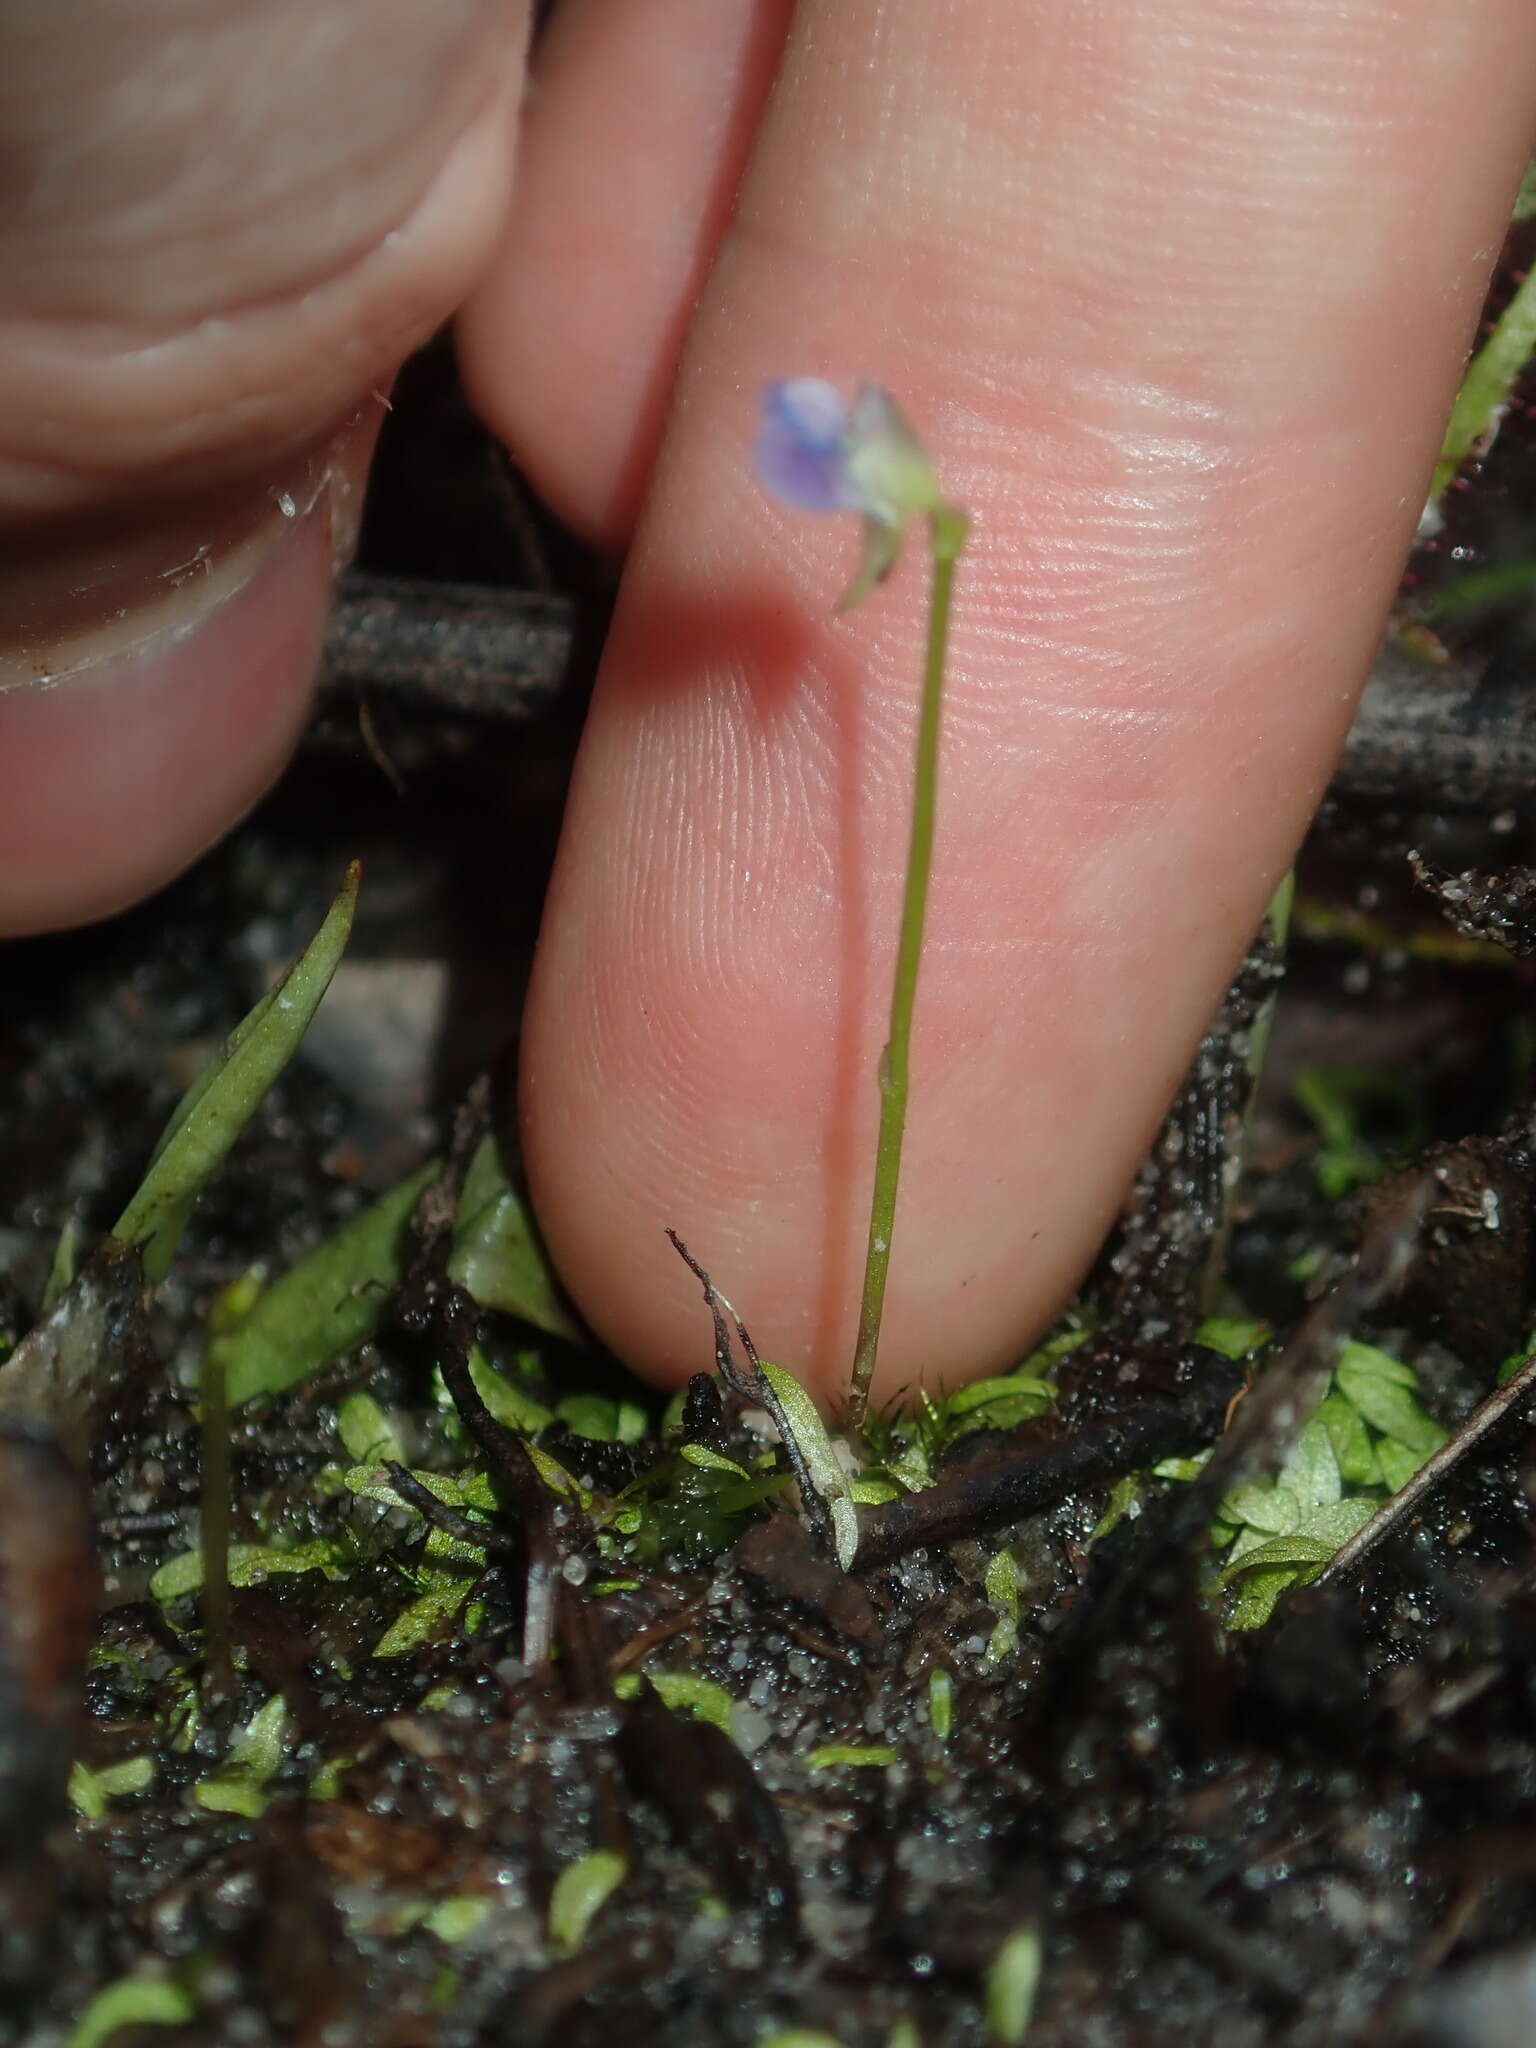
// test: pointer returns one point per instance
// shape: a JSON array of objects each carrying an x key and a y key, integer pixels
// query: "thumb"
[{"x": 222, "y": 225}]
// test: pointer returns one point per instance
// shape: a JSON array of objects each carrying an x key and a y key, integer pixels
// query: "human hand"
[{"x": 1176, "y": 292}]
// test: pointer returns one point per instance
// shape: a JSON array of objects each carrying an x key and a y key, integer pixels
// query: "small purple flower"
[
  {"x": 802, "y": 445},
  {"x": 817, "y": 455}
]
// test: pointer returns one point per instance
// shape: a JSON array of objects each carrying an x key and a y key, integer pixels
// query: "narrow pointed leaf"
[{"x": 225, "y": 1096}]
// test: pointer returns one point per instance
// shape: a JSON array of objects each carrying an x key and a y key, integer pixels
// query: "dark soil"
[{"x": 1322, "y": 1831}]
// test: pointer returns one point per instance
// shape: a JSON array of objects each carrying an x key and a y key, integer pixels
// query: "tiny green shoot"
[
  {"x": 579, "y": 1894},
  {"x": 225, "y": 1096},
  {"x": 941, "y": 1702},
  {"x": 141, "y": 1999},
  {"x": 854, "y": 1756},
  {"x": 1012, "y": 1984}
]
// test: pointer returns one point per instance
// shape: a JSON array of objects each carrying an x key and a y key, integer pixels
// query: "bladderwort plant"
[{"x": 817, "y": 454}]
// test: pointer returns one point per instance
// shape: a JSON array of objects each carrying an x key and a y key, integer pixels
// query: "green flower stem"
[{"x": 948, "y": 527}]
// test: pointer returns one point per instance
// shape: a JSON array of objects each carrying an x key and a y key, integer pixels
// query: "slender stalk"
[{"x": 948, "y": 528}]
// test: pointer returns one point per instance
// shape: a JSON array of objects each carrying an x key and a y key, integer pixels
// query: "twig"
[
  {"x": 459, "y": 1528},
  {"x": 1502, "y": 1403},
  {"x": 753, "y": 1385},
  {"x": 1462, "y": 735},
  {"x": 1030, "y": 1475},
  {"x": 465, "y": 648}
]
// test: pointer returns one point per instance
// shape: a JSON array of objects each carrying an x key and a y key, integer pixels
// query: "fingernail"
[
  {"x": 150, "y": 695},
  {"x": 72, "y": 606}
]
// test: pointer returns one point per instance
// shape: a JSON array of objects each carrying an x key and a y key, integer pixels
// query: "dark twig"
[
  {"x": 1427, "y": 734},
  {"x": 746, "y": 1386},
  {"x": 1031, "y": 1474},
  {"x": 1502, "y": 1403},
  {"x": 753, "y": 1384},
  {"x": 465, "y": 648},
  {"x": 449, "y": 1522},
  {"x": 1423, "y": 734}
]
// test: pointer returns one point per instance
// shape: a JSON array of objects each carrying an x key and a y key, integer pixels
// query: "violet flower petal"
[{"x": 802, "y": 445}]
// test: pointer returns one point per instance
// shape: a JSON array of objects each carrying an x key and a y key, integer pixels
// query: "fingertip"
[{"x": 118, "y": 767}]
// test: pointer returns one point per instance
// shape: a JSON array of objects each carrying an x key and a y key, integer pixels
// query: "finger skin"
[
  {"x": 1177, "y": 293},
  {"x": 638, "y": 124},
  {"x": 223, "y": 223}
]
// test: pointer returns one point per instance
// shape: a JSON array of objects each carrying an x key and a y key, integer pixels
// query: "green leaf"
[
  {"x": 428, "y": 1617},
  {"x": 455, "y": 1919},
  {"x": 707, "y": 1460},
  {"x": 1490, "y": 379},
  {"x": 329, "y": 1303},
  {"x": 1390, "y": 1408},
  {"x": 227, "y": 1094},
  {"x": 557, "y": 1479},
  {"x": 1124, "y": 1499},
  {"x": 250, "y": 1564},
  {"x": 496, "y": 1252},
  {"x": 66, "y": 1262},
  {"x": 821, "y": 1460},
  {"x": 602, "y": 1420},
  {"x": 869, "y": 1756},
  {"x": 1002, "y": 1587},
  {"x": 92, "y": 1792},
  {"x": 1006, "y": 1387},
  {"x": 1012, "y": 1984},
  {"x": 1353, "y": 1451},
  {"x": 1312, "y": 1471},
  {"x": 240, "y": 1783},
  {"x": 696, "y": 1696},
  {"x": 1274, "y": 1509},
  {"x": 941, "y": 1702},
  {"x": 1367, "y": 1361},
  {"x": 1264, "y": 1573},
  {"x": 1235, "y": 1337},
  {"x": 510, "y": 1404},
  {"x": 1183, "y": 1470},
  {"x": 1398, "y": 1463},
  {"x": 371, "y": 1482},
  {"x": 138, "y": 2000},
  {"x": 367, "y": 1432},
  {"x": 580, "y": 1892}
]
